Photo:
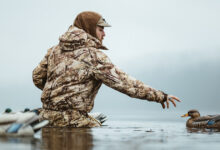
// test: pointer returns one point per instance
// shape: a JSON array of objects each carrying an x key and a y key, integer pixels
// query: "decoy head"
[
  {"x": 8, "y": 110},
  {"x": 26, "y": 110},
  {"x": 192, "y": 113}
]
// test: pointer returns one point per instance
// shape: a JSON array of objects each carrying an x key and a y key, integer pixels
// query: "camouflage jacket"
[{"x": 72, "y": 72}]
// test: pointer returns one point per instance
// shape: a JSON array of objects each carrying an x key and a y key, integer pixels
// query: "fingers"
[
  {"x": 177, "y": 99},
  {"x": 168, "y": 105},
  {"x": 173, "y": 102},
  {"x": 163, "y": 105},
  {"x": 174, "y": 97}
]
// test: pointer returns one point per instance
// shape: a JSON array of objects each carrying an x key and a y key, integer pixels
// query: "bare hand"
[{"x": 170, "y": 98}]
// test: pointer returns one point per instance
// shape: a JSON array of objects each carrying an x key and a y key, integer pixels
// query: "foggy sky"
[{"x": 170, "y": 45}]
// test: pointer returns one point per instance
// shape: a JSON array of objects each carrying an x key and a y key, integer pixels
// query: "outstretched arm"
[{"x": 115, "y": 78}]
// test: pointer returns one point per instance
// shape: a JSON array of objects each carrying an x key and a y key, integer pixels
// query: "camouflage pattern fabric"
[
  {"x": 69, "y": 118},
  {"x": 71, "y": 74}
]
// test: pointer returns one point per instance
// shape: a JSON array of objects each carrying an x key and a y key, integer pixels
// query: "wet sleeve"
[
  {"x": 115, "y": 78},
  {"x": 39, "y": 74}
]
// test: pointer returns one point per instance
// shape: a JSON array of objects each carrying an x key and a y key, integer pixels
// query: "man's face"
[{"x": 100, "y": 33}]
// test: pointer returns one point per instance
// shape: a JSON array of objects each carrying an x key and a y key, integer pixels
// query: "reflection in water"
[
  {"x": 201, "y": 130},
  {"x": 14, "y": 142},
  {"x": 67, "y": 138},
  {"x": 118, "y": 135}
]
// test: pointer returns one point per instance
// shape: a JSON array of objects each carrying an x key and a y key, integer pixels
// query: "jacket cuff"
[{"x": 165, "y": 98}]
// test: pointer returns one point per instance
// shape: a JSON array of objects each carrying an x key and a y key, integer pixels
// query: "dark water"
[{"x": 118, "y": 135}]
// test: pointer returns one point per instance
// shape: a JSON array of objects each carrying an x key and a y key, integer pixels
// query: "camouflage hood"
[{"x": 75, "y": 38}]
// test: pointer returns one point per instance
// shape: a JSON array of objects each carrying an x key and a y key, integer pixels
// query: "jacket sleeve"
[
  {"x": 115, "y": 78},
  {"x": 39, "y": 74}
]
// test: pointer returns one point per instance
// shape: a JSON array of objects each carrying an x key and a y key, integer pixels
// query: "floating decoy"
[
  {"x": 25, "y": 123},
  {"x": 197, "y": 121}
]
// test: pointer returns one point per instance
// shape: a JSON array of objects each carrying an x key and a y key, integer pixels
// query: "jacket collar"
[{"x": 76, "y": 38}]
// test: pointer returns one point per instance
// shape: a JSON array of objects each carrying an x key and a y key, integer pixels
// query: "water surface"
[{"x": 117, "y": 135}]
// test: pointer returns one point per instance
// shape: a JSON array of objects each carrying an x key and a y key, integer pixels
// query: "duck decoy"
[
  {"x": 197, "y": 121},
  {"x": 25, "y": 123}
]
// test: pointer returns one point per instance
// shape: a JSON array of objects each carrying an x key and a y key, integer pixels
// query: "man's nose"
[{"x": 103, "y": 33}]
